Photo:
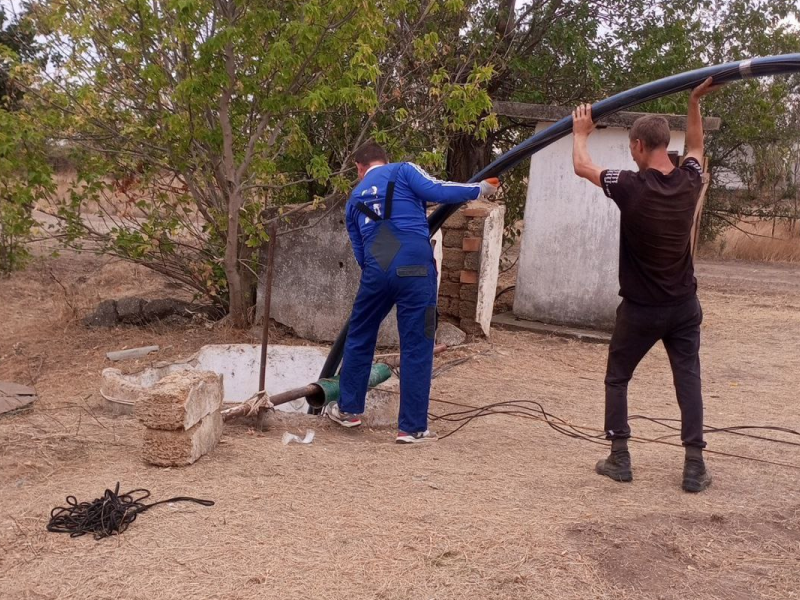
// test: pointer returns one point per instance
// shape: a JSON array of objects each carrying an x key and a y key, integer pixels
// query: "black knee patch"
[{"x": 431, "y": 321}]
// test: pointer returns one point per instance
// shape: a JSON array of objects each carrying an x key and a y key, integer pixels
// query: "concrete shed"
[{"x": 569, "y": 258}]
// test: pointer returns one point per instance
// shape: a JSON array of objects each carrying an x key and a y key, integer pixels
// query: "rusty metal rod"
[
  {"x": 273, "y": 240},
  {"x": 276, "y": 400}
]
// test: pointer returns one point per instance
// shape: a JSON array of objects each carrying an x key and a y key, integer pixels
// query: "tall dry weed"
[{"x": 754, "y": 240}]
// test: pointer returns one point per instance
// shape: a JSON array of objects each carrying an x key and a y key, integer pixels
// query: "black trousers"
[{"x": 637, "y": 330}]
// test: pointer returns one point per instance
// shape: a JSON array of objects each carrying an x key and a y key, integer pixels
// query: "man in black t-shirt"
[{"x": 656, "y": 276}]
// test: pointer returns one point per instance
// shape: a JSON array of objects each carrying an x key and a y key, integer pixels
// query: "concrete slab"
[
  {"x": 509, "y": 321},
  {"x": 131, "y": 353},
  {"x": 288, "y": 367},
  {"x": 316, "y": 279},
  {"x": 15, "y": 397},
  {"x": 489, "y": 270}
]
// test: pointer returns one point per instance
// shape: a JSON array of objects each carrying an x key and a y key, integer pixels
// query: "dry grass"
[
  {"x": 506, "y": 509},
  {"x": 118, "y": 199},
  {"x": 754, "y": 240}
]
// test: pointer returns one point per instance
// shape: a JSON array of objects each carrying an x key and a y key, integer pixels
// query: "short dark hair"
[
  {"x": 652, "y": 130},
  {"x": 370, "y": 152}
]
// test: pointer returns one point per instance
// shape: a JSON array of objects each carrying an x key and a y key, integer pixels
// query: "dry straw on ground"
[{"x": 505, "y": 509}]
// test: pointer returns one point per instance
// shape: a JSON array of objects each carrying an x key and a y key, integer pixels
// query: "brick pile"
[
  {"x": 181, "y": 413},
  {"x": 462, "y": 240}
]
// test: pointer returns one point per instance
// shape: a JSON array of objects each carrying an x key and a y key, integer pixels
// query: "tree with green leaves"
[
  {"x": 189, "y": 117},
  {"x": 25, "y": 175},
  {"x": 564, "y": 52},
  {"x": 201, "y": 113}
]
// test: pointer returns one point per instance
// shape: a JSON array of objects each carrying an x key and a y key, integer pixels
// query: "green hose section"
[{"x": 379, "y": 373}]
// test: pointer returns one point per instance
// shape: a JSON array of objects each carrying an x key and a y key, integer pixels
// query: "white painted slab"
[{"x": 288, "y": 367}]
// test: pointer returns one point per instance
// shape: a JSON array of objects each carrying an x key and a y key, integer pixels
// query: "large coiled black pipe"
[{"x": 756, "y": 67}]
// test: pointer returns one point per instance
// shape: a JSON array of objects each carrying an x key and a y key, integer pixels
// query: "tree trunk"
[
  {"x": 467, "y": 155},
  {"x": 237, "y": 306}
]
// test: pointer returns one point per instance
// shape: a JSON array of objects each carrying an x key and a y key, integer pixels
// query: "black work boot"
[
  {"x": 618, "y": 464},
  {"x": 696, "y": 477}
]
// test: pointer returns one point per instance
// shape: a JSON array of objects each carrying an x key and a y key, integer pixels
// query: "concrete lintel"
[
  {"x": 491, "y": 249},
  {"x": 551, "y": 114},
  {"x": 508, "y": 321}
]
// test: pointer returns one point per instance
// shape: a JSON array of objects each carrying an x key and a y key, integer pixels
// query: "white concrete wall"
[{"x": 569, "y": 258}]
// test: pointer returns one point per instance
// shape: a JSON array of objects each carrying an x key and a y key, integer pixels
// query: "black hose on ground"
[
  {"x": 784, "y": 64},
  {"x": 106, "y": 516}
]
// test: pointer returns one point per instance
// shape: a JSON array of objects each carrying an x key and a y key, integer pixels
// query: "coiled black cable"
[{"x": 108, "y": 515}]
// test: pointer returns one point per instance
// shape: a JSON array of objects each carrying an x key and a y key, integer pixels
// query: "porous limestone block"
[
  {"x": 180, "y": 400},
  {"x": 181, "y": 448}
]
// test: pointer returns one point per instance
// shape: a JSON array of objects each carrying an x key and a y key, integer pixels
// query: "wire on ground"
[{"x": 532, "y": 409}]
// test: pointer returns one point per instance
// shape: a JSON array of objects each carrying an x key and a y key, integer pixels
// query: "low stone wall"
[{"x": 316, "y": 276}]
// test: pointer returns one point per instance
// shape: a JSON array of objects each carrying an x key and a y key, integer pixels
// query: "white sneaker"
[
  {"x": 345, "y": 419},
  {"x": 416, "y": 438}
]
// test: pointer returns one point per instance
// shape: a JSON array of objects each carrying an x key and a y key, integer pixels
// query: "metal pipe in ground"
[
  {"x": 313, "y": 392},
  {"x": 276, "y": 400}
]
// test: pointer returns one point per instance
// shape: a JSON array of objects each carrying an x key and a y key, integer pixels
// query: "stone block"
[
  {"x": 180, "y": 400},
  {"x": 471, "y": 244},
  {"x": 457, "y": 221},
  {"x": 468, "y": 292},
  {"x": 105, "y": 315},
  {"x": 469, "y": 277},
  {"x": 453, "y": 237},
  {"x": 467, "y": 308},
  {"x": 449, "y": 334},
  {"x": 129, "y": 310},
  {"x": 450, "y": 288},
  {"x": 475, "y": 227},
  {"x": 477, "y": 211},
  {"x": 161, "y": 308},
  {"x": 181, "y": 448},
  {"x": 453, "y": 258},
  {"x": 472, "y": 261},
  {"x": 448, "y": 306},
  {"x": 452, "y": 275}
]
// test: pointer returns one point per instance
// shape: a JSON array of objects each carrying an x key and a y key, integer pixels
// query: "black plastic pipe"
[{"x": 784, "y": 64}]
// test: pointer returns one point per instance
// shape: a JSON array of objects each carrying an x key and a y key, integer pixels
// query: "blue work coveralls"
[{"x": 388, "y": 228}]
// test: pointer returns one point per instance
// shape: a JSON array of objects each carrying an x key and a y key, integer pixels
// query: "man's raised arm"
[
  {"x": 694, "y": 121},
  {"x": 582, "y": 127}
]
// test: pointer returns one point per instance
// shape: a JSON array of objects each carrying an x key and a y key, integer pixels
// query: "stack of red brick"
[{"x": 462, "y": 240}]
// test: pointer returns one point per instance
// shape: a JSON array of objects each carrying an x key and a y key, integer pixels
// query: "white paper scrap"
[{"x": 290, "y": 437}]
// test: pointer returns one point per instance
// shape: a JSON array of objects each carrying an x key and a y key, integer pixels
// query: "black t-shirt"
[{"x": 656, "y": 216}]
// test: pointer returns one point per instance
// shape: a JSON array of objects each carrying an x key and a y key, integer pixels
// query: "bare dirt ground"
[{"x": 506, "y": 508}]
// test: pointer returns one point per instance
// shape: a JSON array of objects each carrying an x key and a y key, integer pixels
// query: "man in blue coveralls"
[{"x": 388, "y": 228}]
